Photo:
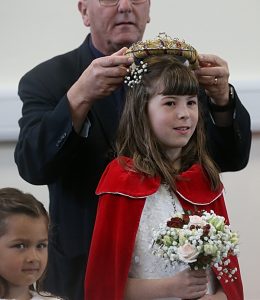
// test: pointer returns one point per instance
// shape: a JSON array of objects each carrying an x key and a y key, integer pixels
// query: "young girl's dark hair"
[
  {"x": 165, "y": 75},
  {"x": 15, "y": 202}
]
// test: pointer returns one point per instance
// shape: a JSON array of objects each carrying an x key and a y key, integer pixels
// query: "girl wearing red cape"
[{"x": 162, "y": 168}]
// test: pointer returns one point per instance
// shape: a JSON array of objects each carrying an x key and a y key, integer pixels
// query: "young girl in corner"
[
  {"x": 162, "y": 168},
  {"x": 24, "y": 226}
]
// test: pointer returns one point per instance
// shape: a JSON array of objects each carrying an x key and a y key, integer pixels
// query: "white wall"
[{"x": 32, "y": 31}]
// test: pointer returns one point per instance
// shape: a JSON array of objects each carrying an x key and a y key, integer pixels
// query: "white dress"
[
  {"x": 36, "y": 296},
  {"x": 158, "y": 208}
]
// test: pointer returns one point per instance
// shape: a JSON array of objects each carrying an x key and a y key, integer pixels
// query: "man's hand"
[
  {"x": 100, "y": 79},
  {"x": 213, "y": 75}
]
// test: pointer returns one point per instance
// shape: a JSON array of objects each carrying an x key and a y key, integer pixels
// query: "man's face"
[{"x": 113, "y": 27}]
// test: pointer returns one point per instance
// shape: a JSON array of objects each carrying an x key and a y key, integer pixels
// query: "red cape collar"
[{"x": 193, "y": 185}]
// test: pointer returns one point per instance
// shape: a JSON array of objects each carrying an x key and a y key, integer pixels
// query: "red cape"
[{"x": 122, "y": 198}]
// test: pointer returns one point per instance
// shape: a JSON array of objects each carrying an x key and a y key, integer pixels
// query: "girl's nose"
[
  {"x": 182, "y": 113},
  {"x": 32, "y": 255}
]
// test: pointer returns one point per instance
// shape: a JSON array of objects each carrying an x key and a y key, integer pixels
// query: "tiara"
[{"x": 162, "y": 45}]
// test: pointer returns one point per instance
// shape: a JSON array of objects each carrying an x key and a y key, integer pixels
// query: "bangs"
[{"x": 175, "y": 79}]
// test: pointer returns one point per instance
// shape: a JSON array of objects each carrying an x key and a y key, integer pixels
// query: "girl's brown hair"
[{"x": 167, "y": 76}]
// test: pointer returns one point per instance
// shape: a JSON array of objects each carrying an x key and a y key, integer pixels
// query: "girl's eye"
[
  {"x": 19, "y": 246},
  {"x": 192, "y": 102},
  {"x": 42, "y": 245},
  {"x": 169, "y": 103}
]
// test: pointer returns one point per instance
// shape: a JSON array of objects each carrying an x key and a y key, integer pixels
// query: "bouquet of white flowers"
[{"x": 200, "y": 240}]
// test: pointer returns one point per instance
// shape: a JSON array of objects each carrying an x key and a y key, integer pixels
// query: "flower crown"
[{"x": 162, "y": 45}]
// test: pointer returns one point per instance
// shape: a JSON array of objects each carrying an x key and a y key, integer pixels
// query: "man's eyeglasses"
[{"x": 115, "y": 2}]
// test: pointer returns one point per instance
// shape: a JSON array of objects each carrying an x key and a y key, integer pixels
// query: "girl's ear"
[{"x": 83, "y": 9}]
